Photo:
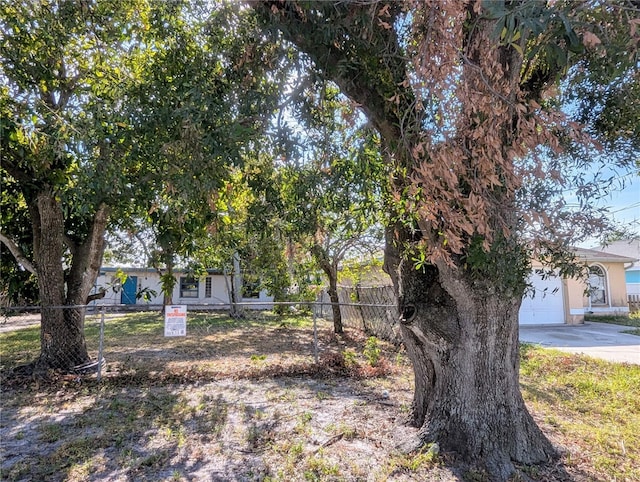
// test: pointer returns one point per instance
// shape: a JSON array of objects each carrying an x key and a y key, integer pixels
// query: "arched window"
[{"x": 597, "y": 285}]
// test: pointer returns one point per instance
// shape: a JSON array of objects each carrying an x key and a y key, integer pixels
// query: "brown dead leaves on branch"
[
  {"x": 463, "y": 93},
  {"x": 480, "y": 126}
]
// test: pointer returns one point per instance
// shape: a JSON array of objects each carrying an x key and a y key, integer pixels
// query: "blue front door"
[{"x": 129, "y": 289}]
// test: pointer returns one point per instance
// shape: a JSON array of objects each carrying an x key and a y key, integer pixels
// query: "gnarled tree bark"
[
  {"x": 460, "y": 328},
  {"x": 461, "y": 335}
]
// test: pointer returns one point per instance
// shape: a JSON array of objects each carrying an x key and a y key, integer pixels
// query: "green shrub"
[{"x": 372, "y": 351}]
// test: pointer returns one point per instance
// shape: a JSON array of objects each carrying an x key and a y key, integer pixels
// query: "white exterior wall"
[
  {"x": 544, "y": 303},
  {"x": 218, "y": 292},
  {"x": 113, "y": 296},
  {"x": 148, "y": 279},
  {"x": 152, "y": 282}
]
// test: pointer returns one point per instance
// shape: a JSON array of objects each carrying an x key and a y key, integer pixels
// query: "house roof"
[
  {"x": 595, "y": 255},
  {"x": 624, "y": 247},
  {"x": 126, "y": 269},
  {"x": 132, "y": 269}
]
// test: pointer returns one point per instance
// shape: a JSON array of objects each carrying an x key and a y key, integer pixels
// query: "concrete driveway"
[{"x": 598, "y": 340}]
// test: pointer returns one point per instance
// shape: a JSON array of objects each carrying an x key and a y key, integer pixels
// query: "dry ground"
[{"x": 238, "y": 403}]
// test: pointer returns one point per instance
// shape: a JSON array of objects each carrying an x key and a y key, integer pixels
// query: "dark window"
[
  {"x": 188, "y": 287},
  {"x": 207, "y": 287}
]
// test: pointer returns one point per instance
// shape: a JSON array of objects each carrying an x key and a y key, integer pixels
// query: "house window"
[
  {"x": 207, "y": 287},
  {"x": 597, "y": 286},
  {"x": 188, "y": 287}
]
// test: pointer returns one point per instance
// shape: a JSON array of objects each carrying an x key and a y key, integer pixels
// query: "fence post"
[
  {"x": 315, "y": 333},
  {"x": 100, "y": 344}
]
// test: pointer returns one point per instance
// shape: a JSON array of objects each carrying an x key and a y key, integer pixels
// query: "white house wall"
[
  {"x": 150, "y": 280},
  {"x": 113, "y": 296},
  {"x": 218, "y": 292}
]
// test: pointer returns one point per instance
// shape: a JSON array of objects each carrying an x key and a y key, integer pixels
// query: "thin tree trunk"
[
  {"x": 331, "y": 270},
  {"x": 167, "y": 299},
  {"x": 335, "y": 303},
  {"x": 237, "y": 283},
  {"x": 232, "y": 291},
  {"x": 168, "y": 282}
]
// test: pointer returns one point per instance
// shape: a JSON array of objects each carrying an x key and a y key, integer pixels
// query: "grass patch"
[
  {"x": 19, "y": 347},
  {"x": 591, "y": 403},
  {"x": 632, "y": 320},
  {"x": 173, "y": 405},
  {"x": 135, "y": 346}
]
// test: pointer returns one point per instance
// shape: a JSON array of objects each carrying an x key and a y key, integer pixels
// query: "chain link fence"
[
  {"x": 69, "y": 339},
  {"x": 212, "y": 339},
  {"x": 370, "y": 309}
]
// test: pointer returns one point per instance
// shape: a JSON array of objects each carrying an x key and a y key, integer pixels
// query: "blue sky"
[{"x": 623, "y": 204}]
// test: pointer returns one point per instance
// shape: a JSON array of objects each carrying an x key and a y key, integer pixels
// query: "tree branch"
[
  {"x": 18, "y": 254},
  {"x": 87, "y": 258},
  {"x": 370, "y": 87},
  {"x": 14, "y": 171},
  {"x": 96, "y": 296}
]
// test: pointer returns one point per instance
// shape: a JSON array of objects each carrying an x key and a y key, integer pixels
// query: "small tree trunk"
[
  {"x": 330, "y": 268},
  {"x": 236, "y": 284},
  {"x": 167, "y": 277},
  {"x": 168, "y": 281},
  {"x": 462, "y": 338},
  {"x": 335, "y": 302},
  {"x": 232, "y": 291}
]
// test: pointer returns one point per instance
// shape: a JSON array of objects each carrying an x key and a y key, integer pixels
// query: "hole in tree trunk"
[{"x": 408, "y": 314}]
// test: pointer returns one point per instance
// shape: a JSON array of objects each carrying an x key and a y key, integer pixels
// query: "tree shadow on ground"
[
  {"x": 135, "y": 422},
  {"x": 233, "y": 429}
]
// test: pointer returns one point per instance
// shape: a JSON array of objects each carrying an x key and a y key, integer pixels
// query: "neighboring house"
[
  {"x": 629, "y": 248},
  {"x": 551, "y": 299},
  {"x": 555, "y": 300},
  {"x": 207, "y": 291}
]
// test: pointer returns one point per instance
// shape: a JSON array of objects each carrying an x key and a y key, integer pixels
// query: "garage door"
[{"x": 544, "y": 303}]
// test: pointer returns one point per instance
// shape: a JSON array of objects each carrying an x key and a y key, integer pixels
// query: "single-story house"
[
  {"x": 555, "y": 300},
  {"x": 631, "y": 249},
  {"x": 142, "y": 287}
]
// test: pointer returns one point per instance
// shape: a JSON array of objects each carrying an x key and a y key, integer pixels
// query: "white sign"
[{"x": 175, "y": 320}]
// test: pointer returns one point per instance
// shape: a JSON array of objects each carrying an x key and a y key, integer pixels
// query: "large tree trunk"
[
  {"x": 460, "y": 329},
  {"x": 62, "y": 343},
  {"x": 462, "y": 338},
  {"x": 63, "y": 298}
]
